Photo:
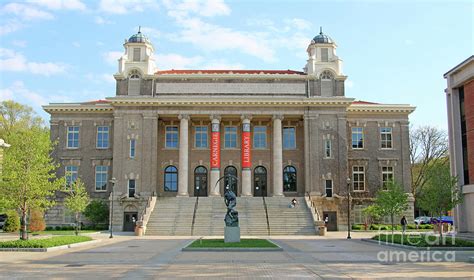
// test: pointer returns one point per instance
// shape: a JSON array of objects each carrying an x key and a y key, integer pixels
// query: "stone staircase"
[{"x": 174, "y": 216}]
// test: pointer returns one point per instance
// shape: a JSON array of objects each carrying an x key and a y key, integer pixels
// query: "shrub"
[
  {"x": 411, "y": 226},
  {"x": 44, "y": 243},
  {"x": 49, "y": 228},
  {"x": 97, "y": 212},
  {"x": 12, "y": 223},
  {"x": 358, "y": 227},
  {"x": 36, "y": 221}
]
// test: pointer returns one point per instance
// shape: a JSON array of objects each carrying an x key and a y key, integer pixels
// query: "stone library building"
[{"x": 159, "y": 150}]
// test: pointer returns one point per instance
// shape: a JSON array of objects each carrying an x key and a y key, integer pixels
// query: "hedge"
[{"x": 44, "y": 243}]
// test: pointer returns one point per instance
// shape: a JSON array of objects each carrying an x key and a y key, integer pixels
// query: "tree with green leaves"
[
  {"x": 441, "y": 192},
  {"x": 29, "y": 179},
  {"x": 371, "y": 213},
  {"x": 76, "y": 201},
  {"x": 391, "y": 201},
  {"x": 15, "y": 116},
  {"x": 97, "y": 212}
]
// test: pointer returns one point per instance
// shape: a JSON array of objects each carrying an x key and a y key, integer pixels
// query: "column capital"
[
  {"x": 278, "y": 117},
  {"x": 246, "y": 118},
  {"x": 215, "y": 118},
  {"x": 183, "y": 116}
]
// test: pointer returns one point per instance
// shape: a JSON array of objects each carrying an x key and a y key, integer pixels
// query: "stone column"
[
  {"x": 246, "y": 157},
  {"x": 215, "y": 155},
  {"x": 183, "y": 155},
  {"x": 277, "y": 156}
]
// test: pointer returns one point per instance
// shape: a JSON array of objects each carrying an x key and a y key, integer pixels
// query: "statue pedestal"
[{"x": 231, "y": 234}]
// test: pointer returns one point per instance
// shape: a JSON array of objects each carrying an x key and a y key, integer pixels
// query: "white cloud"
[
  {"x": 222, "y": 65},
  {"x": 18, "y": 91},
  {"x": 112, "y": 57},
  {"x": 102, "y": 21},
  {"x": 16, "y": 62},
  {"x": 150, "y": 32},
  {"x": 127, "y": 6},
  {"x": 100, "y": 78},
  {"x": 299, "y": 23},
  {"x": 176, "y": 61},
  {"x": 10, "y": 26},
  {"x": 205, "y": 8},
  {"x": 60, "y": 4},
  {"x": 76, "y": 44},
  {"x": 19, "y": 43},
  {"x": 26, "y": 12},
  {"x": 349, "y": 83}
]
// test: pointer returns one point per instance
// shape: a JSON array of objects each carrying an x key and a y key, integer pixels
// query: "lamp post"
[
  {"x": 348, "y": 208},
  {"x": 113, "y": 181}
]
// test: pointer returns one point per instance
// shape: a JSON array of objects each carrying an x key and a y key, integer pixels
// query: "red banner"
[
  {"x": 246, "y": 156},
  {"x": 215, "y": 148}
]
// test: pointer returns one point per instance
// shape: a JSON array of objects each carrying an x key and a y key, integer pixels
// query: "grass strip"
[
  {"x": 423, "y": 240},
  {"x": 61, "y": 232},
  {"x": 244, "y": 243},
  {"x": 44, "y": 243}
]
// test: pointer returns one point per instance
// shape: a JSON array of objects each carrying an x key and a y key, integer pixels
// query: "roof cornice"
[
  {"x": 380, "y": 108},
  {"x": 77, "y": 107}
]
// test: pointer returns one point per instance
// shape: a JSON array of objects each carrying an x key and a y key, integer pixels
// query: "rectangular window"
[
  {"x": 357, "y": 138},
  {"x": 102, "y": 137},
  {"x": 328, "y": 188},
  {"x": 132, "y": 148},
  {"x": 101, "y": 177},
  {"x": 358, "y": 178},
  {"x": 131, "y": 188},
  {"x": 260, "y": 137},
  {"x": 136, "y": 54},
  {"x": 71, "y": 175},
  {"x": 358, "y": 214},
  {"x": 328, "y": 148},
  {"x": 387, "y": 176},
  {"x": 289, "y": 138},
  {"x": 171, "y": 137},
  {"x": 230, "y": 137},
  {"x": 73, "y": 136},
  {"x": 324, "y": 54},
  {"x": 386, "y": 137},
  {"x": 200, "y": 136}
]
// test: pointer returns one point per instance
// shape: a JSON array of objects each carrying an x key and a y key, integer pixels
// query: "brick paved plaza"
[{"x": 129, "y": 257}]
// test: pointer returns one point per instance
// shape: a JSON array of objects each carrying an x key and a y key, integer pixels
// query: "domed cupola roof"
[
  {"x": 139, "y": 38},
  {"x": 322, "y": 38}
]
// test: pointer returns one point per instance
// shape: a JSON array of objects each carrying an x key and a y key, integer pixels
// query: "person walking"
[{"x": 404, "y": 223}]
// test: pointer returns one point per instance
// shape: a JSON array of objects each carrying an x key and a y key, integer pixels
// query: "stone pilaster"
[
  {"x": 277, "y": 156},
  {"x": 246, "y": 157},
  {"x": 215, "y": 155},
  {"x": 183, "y": 155}
]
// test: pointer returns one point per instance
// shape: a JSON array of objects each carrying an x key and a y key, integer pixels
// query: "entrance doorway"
[
  {"x": 260, "y": 181},
  {"x": 200, "y": 181},
  {"x": 129, "y": 220},
  {"x": 229, "y": 181},
  {"x": 331, "y": 223}
]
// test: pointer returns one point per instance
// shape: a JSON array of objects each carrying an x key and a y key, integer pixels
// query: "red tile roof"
[
  {"x": 97, "y": 101},
  {"x": 286, "y": 72},
  {"x": 364, "y": 102}
]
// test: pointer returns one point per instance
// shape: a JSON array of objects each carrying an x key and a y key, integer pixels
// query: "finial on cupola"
[
  {"x": 139, "y": 28},
  {"x": 321, "y": 30}
]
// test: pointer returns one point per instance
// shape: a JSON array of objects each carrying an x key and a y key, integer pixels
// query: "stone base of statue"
[{"x": 231, "y": 234}]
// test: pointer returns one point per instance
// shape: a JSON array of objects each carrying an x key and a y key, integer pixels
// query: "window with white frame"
[
  {"x": 171, "y": 135},
  {"x": 71, "y": 175},
  {"x": 73, "y": 137},
  {"x": 387, "y": 176},
  {"x": 259, "y": 137},
  {"x": 357, "y": 138},
  {"x": 230, "y": 137},
  {"x": 131, "y": 188},
  {"x": 328, "y": 184},
  {"x": 327, "y": 148},
  {"x": 386, "y": 137},
  {"x": 200, "y": 136},
  {"x": 358, "y": 178},
  {"x": 289, "y": 137},
  {"x": 359, "y": 214},
  {"x": 101, "y": 177},
  {"x": 102, "y": 137},
  {"x": 133, "y": 144}
]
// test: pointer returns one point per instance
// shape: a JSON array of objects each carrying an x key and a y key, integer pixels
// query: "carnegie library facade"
[{"x": 175, "y": 133}]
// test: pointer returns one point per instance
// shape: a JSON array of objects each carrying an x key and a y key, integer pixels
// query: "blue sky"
[{"x": 393, "y": 52}]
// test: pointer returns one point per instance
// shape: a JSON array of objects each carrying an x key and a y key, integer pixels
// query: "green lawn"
[
  {"x": 423, "y": 240},
  {"x": 244, "y": 243},
  {"x": 61, "y": 232},
  {"x": 44, "y": 243}
]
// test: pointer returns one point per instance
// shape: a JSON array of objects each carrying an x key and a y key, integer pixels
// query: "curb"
[
  {"x": 418, "y": 248},
  {"x": 50, "y": 249},
  {"x": 232, "y": 249}
]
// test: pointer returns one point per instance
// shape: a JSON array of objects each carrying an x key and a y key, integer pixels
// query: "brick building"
[
  {"x": 174, "y": 133},
  {"x": 460, "y": 102}
]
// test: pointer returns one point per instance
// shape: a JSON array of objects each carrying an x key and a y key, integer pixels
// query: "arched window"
[
  {"x": 327, "y": 80},
  {"x": 134, "y": 79},
  {"x": 230, "y": 181},
  {"x": 289, "y": 179},
  {"x": 326, "y": 75},
  {"x": 200, "y": 181},
  {"x": 171, "y": 179}
]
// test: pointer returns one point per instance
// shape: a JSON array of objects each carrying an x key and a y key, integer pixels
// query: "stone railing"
[
  {"x": 145, "y": 215},
  {"x": 318, "y": 222}
]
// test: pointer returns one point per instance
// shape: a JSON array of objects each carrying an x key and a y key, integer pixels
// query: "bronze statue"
[{"x": 232, "y": 217}]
